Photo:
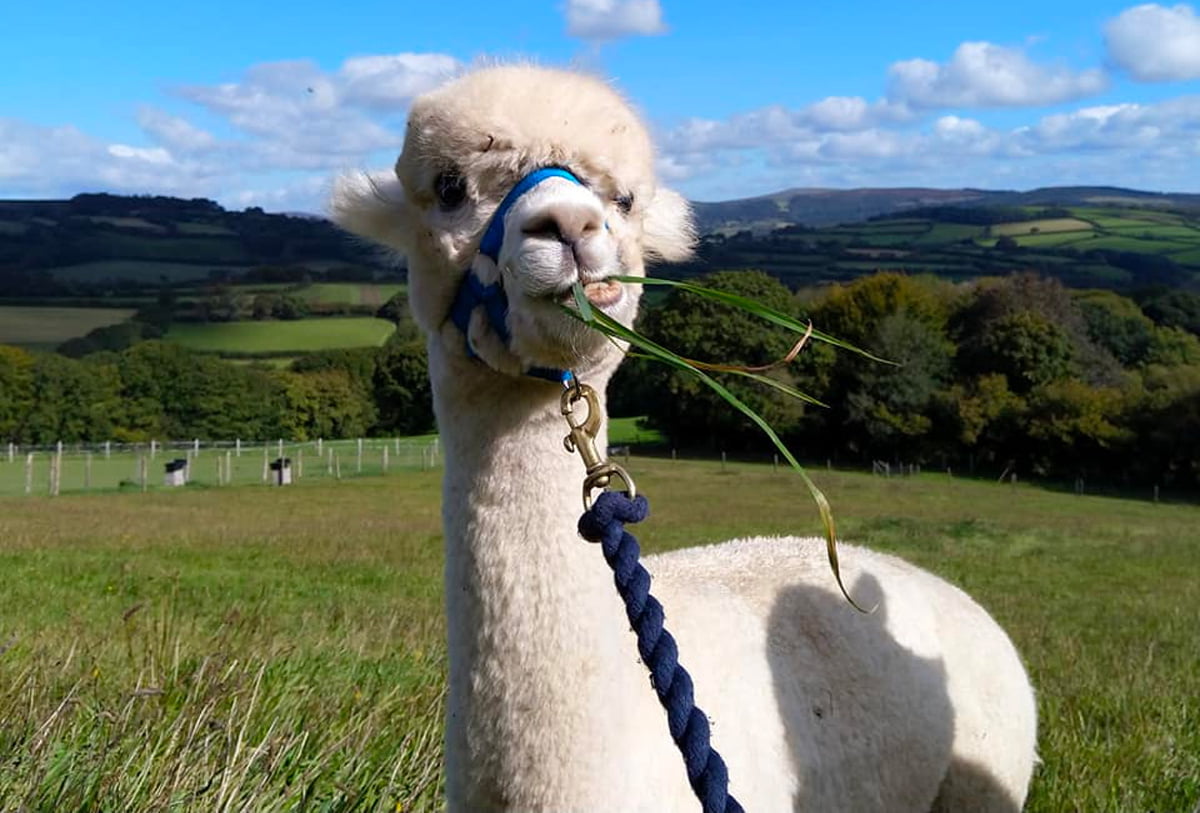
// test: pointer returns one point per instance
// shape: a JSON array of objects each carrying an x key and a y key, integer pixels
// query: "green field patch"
[
  {"x": 144, "y": 271},
  {"x": 43, "y": 327},
  {"x": 1121, "y": 243},
  {"x": 300, "y": 336},
  {"x": 1046, "y": 226},
  {"x": 127, "y": 223},
  {"x": 629, "y": 432},
  {"x": 1157, "y": 231},
  {"x": 948, "y": 233},
  {"x": 1187, "y": 257},
  {"x": 209, "y": 229},
  {"x": 349, "y": 293}
]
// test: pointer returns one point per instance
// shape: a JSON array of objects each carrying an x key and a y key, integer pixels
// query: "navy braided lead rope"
[{"x": 605, "y": 522}]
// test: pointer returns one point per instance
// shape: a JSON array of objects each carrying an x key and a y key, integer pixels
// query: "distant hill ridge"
[{"x": 828, "y": 207}]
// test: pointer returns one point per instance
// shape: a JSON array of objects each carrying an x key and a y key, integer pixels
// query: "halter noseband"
[{"x": 474, "y": 292}]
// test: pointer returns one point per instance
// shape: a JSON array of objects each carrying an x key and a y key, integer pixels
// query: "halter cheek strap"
[{"x": 473, "y": 292}]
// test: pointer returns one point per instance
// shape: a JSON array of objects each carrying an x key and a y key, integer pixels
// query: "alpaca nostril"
[
  {"x": 546, "y": 227},
  {"x": 566, "y": 224}
]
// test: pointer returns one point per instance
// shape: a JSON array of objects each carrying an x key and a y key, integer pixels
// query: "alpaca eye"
[
  {"x": 451, "y": 190},
  {"x": 624, "y": 203}
]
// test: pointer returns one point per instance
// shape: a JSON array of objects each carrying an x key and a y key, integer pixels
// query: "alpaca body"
[{"x": 814, "y": 705}]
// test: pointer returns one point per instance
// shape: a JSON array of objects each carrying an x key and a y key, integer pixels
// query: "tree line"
[
  {"x": 1014, "y": 373},
  {"x": 159, "y": 390}
]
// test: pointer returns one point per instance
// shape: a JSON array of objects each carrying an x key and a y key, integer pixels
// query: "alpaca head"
[{"x": 467, "y": 145}]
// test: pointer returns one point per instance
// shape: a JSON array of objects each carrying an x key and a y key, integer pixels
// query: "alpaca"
[{"x": 922, "y": 705}]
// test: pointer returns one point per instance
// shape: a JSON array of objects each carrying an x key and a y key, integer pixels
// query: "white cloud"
[
  {"x": 150, "y": 155},
  {"x": 1156, "y": 43},
  {"x": 42, "y": 161},
  {"x": 612, "y": 19},
  {"x": 982, "y": 74},
  {"x": 393, "y": 80},
  {"x": 172, "y": 131}
]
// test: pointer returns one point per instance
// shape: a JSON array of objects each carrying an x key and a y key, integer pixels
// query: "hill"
[
  {"x": 828, "y": 207},
  {"x": 1094, "y": 246},
  {"x": 99, "y": 244}
]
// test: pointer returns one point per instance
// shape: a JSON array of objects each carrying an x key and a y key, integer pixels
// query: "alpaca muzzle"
[{"x": 482, "y": 286}]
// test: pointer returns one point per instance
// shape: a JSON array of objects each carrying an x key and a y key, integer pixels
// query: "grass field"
[
  {"x": 349, "y": 293},
  {"x": 46, "y": 328},
  {"x": 300, "y": 336},
  {"x": 251, "y": 648}
]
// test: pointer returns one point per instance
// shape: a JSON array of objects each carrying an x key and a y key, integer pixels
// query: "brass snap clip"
[{"x": 582, "y": 439}]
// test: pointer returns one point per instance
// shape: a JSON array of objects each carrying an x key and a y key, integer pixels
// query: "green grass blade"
[
  {"x": 581, "y": 302},
  {"x": 613, "y": 328},
  {"x": 757, "y": 308}
]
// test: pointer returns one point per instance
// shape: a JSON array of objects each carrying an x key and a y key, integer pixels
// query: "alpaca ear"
[
  {"x": 669, "y": 231},
  {"x": 371, "y": 206}
]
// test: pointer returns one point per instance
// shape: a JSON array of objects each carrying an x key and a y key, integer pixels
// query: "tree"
[
  {"x": 887, "y": 406},
  {"x": 684, "y": 408},
  {"x": 16, "y": 392},
  {"x": 401, "y": 389}
]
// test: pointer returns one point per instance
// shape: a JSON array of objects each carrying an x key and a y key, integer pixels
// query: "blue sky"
[{"x": 263, "y": 103}]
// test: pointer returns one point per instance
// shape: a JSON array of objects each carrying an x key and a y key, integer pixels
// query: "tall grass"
[{"x": 253, "y": 648}]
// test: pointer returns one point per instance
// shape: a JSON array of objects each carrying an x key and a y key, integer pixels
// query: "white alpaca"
[{"x": 922, "y": 705}]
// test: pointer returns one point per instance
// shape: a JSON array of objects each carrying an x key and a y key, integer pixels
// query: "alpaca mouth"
[{"x": 600, "y": 292}]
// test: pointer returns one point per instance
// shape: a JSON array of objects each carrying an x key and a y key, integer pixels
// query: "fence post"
[
  {"x": 153, "y": 448},
  {"x": 1156, "y": 492},
  {"x": 722, "y": 462},
  {"x": 29, "y": 474},
  {"x": 87, "y": 472},
  {"x": 299, "y": 462},
  {"x": 107, "y": 449},
  {"x": 143, "y": 470},
  {"x": 238, "y": 446},
  {"x": 12, "y": 452},
  {"x": 266, "y": 472},
  {"x": 385, "y": 459},
  {"x": 320, "y": 448},
  {"x": 775, "y": 462},
  {"x": 337, "y": 465},
  {"x": 396, "y": 441},
  {"x": 281, "y": 448},
  {"x": 358, "y": 466},
  {"x": 329, "y": 470}
]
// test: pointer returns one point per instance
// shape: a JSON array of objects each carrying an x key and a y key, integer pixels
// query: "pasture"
[
  {"x": 257, "y": 648},
  {"x": 299, "y": 336},
  {"x": 46, "y": 328},
  {"x": 349, "y": 293}
]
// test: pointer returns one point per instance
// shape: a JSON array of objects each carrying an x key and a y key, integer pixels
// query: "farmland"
[
  {"x": 46, "y": 328},
  {"x": 1105, "y": 247},
  {"x": 300, "y": 336},
  {"x": 251, "y": 647}
]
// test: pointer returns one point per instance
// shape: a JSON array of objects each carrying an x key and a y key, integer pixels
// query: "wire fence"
[{"x": 76, "y": 468}]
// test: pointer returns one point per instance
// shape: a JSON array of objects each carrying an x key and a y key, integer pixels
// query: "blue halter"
[{"x": 472, "y": 292}]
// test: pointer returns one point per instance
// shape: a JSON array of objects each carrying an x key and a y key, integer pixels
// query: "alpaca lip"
[
  {"x": 600, "y": 292},
  {"x": 603, "y": 292}
]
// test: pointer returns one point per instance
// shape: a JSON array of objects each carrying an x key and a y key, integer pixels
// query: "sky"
[{"x": 263, "y": 103}]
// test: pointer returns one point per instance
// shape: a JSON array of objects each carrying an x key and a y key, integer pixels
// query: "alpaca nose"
[{"x": 565, "y": 221}]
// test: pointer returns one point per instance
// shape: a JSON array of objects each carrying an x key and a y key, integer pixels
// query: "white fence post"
[{"x": 29, "y": 474}]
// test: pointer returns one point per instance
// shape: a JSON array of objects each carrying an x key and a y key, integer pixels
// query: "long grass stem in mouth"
[{"x": 598, "y": 320}]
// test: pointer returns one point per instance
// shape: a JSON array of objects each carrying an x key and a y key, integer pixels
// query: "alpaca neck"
[{"x": 539, "y": 647}]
